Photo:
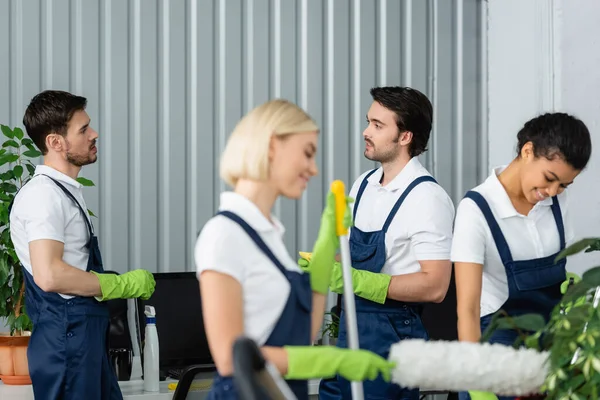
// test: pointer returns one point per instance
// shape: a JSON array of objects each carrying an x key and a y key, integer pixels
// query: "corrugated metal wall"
[{"x": 167, "y": 81}]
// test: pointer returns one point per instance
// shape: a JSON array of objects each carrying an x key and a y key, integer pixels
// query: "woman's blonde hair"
[{"x": 246, "y": 155}]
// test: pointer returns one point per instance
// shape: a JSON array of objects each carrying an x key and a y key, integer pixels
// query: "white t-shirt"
[
  {"x": 42, "y": 210},
  {"x": 223, "y": 246},
  {"x": 528, "y": 237},
  {"x": 422, "y": 227}
]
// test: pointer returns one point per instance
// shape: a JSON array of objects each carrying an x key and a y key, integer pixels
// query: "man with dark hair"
[
  {"x": 401, "y": 239},
  {"x": 64, "y": 277}
]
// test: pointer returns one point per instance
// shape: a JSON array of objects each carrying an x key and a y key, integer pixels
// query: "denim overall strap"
[
  {"x": 499, "y": 239},
  {"x": 399, "y": 202},
  {"x": 559, "y": 221},
  {"x": 95, "y": 257},
  {"x": 294, "y": 325},
  {"x": 361, "y": 189}
]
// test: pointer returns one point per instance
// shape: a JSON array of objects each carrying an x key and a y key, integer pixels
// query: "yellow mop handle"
[{"x": 339, "y": 191}]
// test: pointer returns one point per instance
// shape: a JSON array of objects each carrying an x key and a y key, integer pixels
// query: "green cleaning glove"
[
  {"x": 323, "y": 255},
  {"x": 477, "y": 395},
  {"x": 368, "y": 285},
  {"x": 130, "y": 285},
  {"x": 565, "y": 285},
  {"x": 311, "y": 362}
]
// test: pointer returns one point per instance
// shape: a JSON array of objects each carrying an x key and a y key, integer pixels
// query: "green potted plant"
[
  {"x": 16, "y": 160},
  {"x": 331, "y": 328},
  {"x": 571, "y": 336}
]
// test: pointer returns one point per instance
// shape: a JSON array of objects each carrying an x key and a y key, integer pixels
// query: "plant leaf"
[
  {"x": 26, "y": 142},
  {"x": 8, "y": 158},
  {"x": 18, "y": 171},
  {"x": 7, "y": 131},
  {"x": 32, "y": 153},
  {"x": 18, "y": 133},
  {"x": 85, "y": 182},
  {"x": 30, "y": 169},
  {"x": 91, "y": 213},
  {"x": 592, "y": 276},
  {"x": 10, "y": 143},
  {"x": 527, "y": 322},
  {"x": 577, "y": 247}
]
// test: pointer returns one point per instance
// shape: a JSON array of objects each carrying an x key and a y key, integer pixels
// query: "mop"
[
  {"x": 464, "y": 366},
  {"x": 339, "y": 191}
]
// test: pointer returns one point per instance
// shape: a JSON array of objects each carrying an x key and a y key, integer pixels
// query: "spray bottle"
[{"x": 151, "y": 366}]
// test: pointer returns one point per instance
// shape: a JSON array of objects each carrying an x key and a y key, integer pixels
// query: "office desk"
[{"x": 133, "y": 389}]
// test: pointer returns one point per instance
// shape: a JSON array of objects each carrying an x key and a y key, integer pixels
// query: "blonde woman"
[{"x": 250, "y": 285}]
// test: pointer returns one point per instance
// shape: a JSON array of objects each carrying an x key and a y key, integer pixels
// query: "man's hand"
[
  {"x": 130, "y": 285},
  {"x": 368, "y": 285}
]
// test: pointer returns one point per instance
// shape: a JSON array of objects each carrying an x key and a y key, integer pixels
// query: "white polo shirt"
[
  {"x": 422, "y": 227},
  {"x": 41, "y": 210},
  {"x": 528, "y": 237},
  {"x": 223, "y": 246}
]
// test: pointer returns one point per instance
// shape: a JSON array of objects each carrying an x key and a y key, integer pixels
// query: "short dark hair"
[
  {"x": 413, "y": 110},
  {"x": 558, "y": 135},
  {"x": 50, "y": 112}
]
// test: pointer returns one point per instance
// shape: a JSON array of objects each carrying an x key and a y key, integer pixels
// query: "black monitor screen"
[{"x": 181, "y": 337}]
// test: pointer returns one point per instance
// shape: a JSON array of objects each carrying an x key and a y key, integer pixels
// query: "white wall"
[{"x": 544, "y": 56}]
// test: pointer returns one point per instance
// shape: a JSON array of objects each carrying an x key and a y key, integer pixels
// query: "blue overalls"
[
  {"x": 293, "y": 327},
  {"x": 68, "y": 349},
  {"x": 379, "y": 325},
  {"x": 533, "y": 285}
]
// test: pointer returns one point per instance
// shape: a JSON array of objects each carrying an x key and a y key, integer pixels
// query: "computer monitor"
[{"x": 181, "y": 336}]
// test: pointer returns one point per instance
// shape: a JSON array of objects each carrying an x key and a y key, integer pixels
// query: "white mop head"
[{"x": 461, "y": 366}]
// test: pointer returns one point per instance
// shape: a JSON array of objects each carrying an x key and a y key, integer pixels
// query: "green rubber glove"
[
  {"x": 130, "y": 285},
  {"x": 477, "y": 395},
  {"x": 368, "y": 285},
  {"x": 326, "y": 246},
  {"x": 565, "y": 285},
  {"x": 311, "y": 362}
]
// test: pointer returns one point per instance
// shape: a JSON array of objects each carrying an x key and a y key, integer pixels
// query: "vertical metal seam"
[
  {"x": 193, "y": 131},
  {"x": 459, "y": 124},
  {"x": 407, "y": 40},
  {"x": 483, "y": 93},
  {"x": 382, "y": 42},
  {"x": 136, "y": 138},
  {"x": 434, "y": 82},
  {"x": 356, "y": 111},
  {"x": 276, "y": 32},
  {"x": 330, "y": 95},
  {"x": 164, "y": 119},
  {"x": 16, "y": 58},
  {"x": 222, "y": 81},
  {"x": 46, "y": 43},
  {"x": 556, "y": 24},
  {"x": 302, "y": 215},
  {"x": 249, "y": 13},
  {"x": 277, "y": 48},
  {"x": 105, "y": 122},
  {"x": 77, "y": 47}
]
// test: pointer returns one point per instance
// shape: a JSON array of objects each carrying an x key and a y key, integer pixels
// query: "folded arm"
[{"x": 52, "y": 274}]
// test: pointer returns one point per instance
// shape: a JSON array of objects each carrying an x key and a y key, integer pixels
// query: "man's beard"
[
  {"x": 387, "y": 155},
  {"x": 80, "y": 160},
  {"x": 384, "y": 156}
]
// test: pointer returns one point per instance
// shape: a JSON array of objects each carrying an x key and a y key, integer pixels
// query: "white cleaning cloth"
[{"x": 461, "y": 366}]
